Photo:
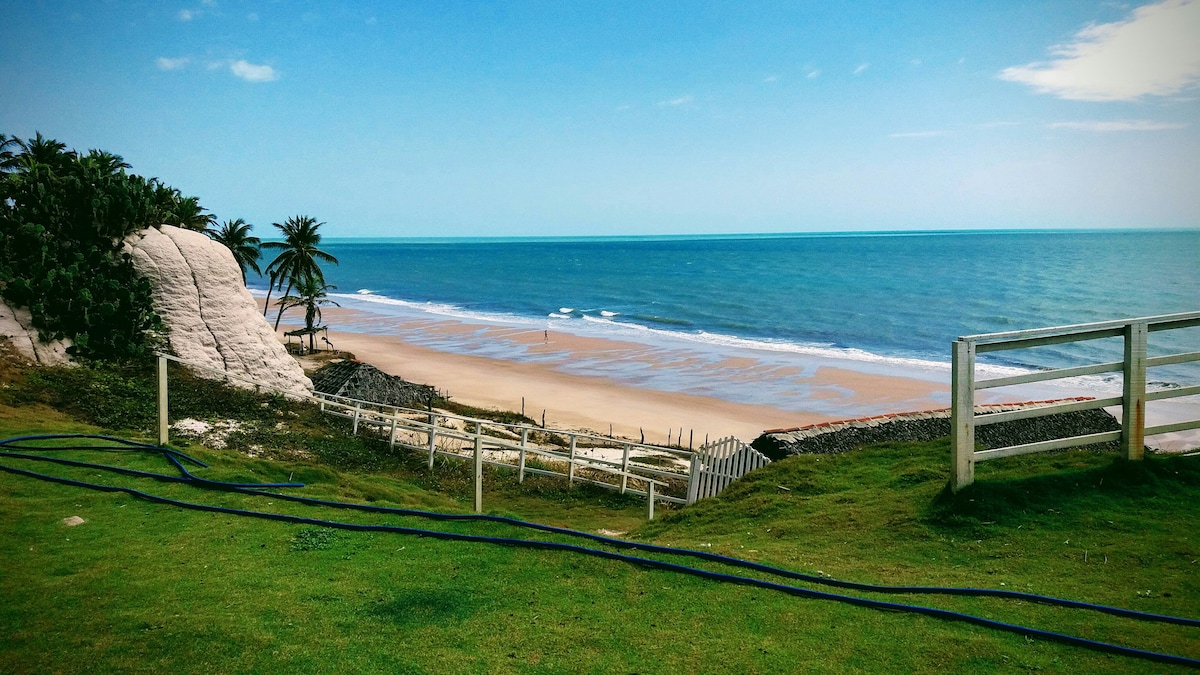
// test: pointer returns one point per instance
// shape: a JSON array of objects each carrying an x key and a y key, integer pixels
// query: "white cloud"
[
  {"x": 915, "y": 62},
  {"x": 918, "y": 134},
  {"x": 675, "y": 102},
  {"x": 771, "y": 78},
  {"x": 1154, "y": 52},
  {"x": 813, "y": 74},
  {"x": 1118, "y": 125},
  {"x": 185, "y": 15},
  {"x": 165, "y": 63},
  {"x": 252, "y": 16},
  {"x": 862, "y": 67},
  {"x": 252, "y": 73}
]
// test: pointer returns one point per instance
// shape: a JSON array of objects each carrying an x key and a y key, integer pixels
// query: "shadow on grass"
[
  {"x": 1117, "y": 486},
  {"x": 423, "y": 607}
]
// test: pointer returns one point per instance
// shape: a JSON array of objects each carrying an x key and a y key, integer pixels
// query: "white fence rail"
[
  {"x": 1134, "y": 332},
  {"x": 457, "y": 437},
  {"x": 567, "y": 454}
]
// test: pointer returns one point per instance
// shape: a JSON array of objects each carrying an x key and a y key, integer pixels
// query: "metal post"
[
  {"x": 962, "y": 414},
  {"x": 624, "y": 468},
  {"x": 478, "y": 467},
  {"x": 521, "y": 459},
  {"x": 1133, "y": 404},
  {"x": 163, "y": 425},
  {"x": 650, "y": 500}
]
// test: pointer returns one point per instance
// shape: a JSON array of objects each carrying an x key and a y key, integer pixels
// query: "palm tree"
[
  {"x": 105, "y": 161},
  {"x": 8, "y": 161},
  {"x": 42, "y": 150},
  {"x": 188, "y": 214},
  {"x": 235, "y": 234},
  {"x": 299, "y": 258},
  {"x": 311, "y": 293}
]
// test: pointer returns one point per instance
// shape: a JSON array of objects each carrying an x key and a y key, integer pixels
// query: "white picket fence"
[{"x": 717, "y": 464}]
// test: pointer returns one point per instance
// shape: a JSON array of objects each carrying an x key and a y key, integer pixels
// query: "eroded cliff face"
[{"x": 210, "y": 318}]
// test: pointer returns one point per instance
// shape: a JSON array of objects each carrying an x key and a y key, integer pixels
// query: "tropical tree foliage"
[
  {"x": 235, "y": 234},
  {"x": 299, "y": 258},
  {"x": 311, "y": 294},
  {"x": 187, "y": 213},
  {"x": 63, "y": 216}
]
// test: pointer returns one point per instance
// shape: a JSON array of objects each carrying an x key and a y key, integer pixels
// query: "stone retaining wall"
[{"x": 834, "y": 437}]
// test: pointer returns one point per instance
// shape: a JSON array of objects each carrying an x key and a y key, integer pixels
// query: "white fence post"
[
  {"x": 649, "y": 500},
  {"x": 392, "y": 438},
  {"x": 357, "y": 412},
  {"x": 163, "y": 424},
  {"x": 571, "y": 467},
  {"x": 521, "y": 458},
  {"x": 693, "y": 478},
  {"x": 432, "y": 438},
  {"x": 962, "y": 414},
  {"x": 1133, "y": 405},
  {"x": 478, "y": 467},
  {"x": 624, "y": 468}
]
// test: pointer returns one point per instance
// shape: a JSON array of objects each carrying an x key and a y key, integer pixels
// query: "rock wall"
[
  {"x": 210, "y": 317},
  {"x": 364, "y": 382},
  {"x": 16, "y": 323},
  {"x": 835, "y": 437}
]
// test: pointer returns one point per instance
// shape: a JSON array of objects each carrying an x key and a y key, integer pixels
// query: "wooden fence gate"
[{"x": 715, "y": 465}]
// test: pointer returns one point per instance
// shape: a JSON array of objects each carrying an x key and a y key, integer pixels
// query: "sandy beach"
[
  {"x": 598, "y": 403},
  {"x": 562, "y": 376}
]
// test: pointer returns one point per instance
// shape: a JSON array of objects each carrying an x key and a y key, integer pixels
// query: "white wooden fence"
[
  {"x": 1134, "y": 332},
  {"x": 718, "y": 464},
  {"x": 512, "y": 445},
  {"x": 643, "y": 470}
]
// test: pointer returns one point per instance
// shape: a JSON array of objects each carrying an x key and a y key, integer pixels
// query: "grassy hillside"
[{"x": 148, "y": 587}]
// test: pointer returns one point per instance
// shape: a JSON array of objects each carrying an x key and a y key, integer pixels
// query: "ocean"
[{"x": 881, "y": 302}]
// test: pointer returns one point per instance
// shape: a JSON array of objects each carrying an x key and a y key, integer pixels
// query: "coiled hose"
[{"x": 177, "y": 459}]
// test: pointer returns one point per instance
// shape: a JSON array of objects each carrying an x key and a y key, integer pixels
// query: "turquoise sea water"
[{"x": 895, "y": 298}]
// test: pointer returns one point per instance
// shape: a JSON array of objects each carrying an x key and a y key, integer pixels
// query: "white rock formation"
[
  {"x": 211, "y": 319},
  {"x": 16, "y": 323}
]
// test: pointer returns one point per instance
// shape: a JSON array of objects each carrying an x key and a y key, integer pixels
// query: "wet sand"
[{"x": 577, "y": 401}]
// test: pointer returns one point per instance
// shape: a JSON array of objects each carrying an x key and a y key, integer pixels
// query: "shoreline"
[
  {"x": 547, "y": 378},
  {"x": 585, "y": 383}
]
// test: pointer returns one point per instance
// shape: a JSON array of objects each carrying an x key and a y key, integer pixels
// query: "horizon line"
[{"x": 744, "y": 235}]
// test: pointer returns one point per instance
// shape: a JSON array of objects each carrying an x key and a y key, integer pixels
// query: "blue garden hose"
[{"x": 175, "y": 458}]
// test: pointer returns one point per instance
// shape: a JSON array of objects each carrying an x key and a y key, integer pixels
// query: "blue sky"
[{"x": 604, "y": 118}]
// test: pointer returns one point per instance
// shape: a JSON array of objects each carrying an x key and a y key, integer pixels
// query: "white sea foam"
[
  {"x": 605, "y": 312},
  {"x": 605, "y": 327},
  {"x": 434, "y": 308},
  {"x": 365, "y": 291}
]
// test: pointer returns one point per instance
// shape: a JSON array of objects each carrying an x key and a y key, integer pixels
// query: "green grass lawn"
[{"x": 152, "y": 588}]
